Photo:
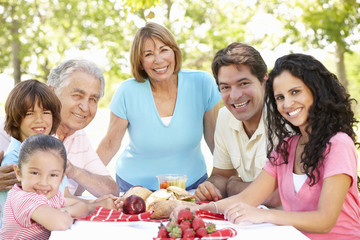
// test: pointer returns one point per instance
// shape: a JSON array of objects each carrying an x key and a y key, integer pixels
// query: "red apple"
[{"x": 134, "y": 205}]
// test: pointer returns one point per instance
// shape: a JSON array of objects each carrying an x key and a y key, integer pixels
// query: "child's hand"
[
  {"x": 119, "y": 202},
  {"x": 107, "y": 201}
]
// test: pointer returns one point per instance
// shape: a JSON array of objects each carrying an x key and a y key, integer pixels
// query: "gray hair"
[{"x": 58, "y": 76}]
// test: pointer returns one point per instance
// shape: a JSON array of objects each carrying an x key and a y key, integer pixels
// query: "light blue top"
[
  {"x": 11, "y": 157},
  {"x": 155, "y": 148}
]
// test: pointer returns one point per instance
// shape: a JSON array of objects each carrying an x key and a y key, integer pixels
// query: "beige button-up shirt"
[{"x": 234, "y": 149}]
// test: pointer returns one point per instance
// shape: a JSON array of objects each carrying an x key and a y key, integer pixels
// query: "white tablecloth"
[{"x": 147, "y": 230}]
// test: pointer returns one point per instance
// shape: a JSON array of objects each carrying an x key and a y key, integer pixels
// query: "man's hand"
[
  {"x": 207, "y": 192},
  {"x": 69, "y": 169},
  {"x": 235, "y": 185},
  {"x": 7, "y": 175},
  {"x": 97, "y": 185}
]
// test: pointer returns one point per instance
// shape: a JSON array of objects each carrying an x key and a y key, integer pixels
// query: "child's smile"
[
  {"x": 42, "y": 173},
  {"x": 36, "y": 121}
]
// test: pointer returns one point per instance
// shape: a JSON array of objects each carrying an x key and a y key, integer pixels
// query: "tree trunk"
[
  {"x": 16, "y": 61},
  {"x": 15, "y": 49},
  {"x": 340, "y": 65},
  {"x": 168, "y": 4}
]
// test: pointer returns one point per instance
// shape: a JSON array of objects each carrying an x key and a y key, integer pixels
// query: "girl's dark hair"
[
  {"x": 41, "y": 142},
  {"x": 22, "y": 98},
  {"x": 330, "y": 113}
]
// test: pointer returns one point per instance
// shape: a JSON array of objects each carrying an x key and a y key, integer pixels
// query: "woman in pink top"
[{"x": 314, "y": 166}]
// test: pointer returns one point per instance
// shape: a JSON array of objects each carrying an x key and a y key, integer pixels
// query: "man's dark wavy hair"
[{"x": 330, "y": 113}]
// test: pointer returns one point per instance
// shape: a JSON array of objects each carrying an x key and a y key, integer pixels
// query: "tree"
[
  {"x": 202, "y": 27},
  {"x": 16, "y": 20},
  {"x": 319, "y": 23},
  {"x": 39, "y": 32}
]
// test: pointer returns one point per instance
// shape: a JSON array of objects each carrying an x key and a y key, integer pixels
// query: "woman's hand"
[{"x": 242, "y": 212}]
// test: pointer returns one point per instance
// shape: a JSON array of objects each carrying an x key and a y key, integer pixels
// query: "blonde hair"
[{"x": 150, "y": 31}]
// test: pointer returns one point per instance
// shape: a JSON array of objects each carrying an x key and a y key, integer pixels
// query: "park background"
[{"x": 36, "y": 35}]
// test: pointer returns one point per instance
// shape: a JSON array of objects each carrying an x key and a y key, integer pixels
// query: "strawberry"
[
  {"x": 162, "y": 232},
  {"x": 188, "y": 233},
  {"x": 200, "y": 232},
  {"x": 210, "y": 227},
  {"x": 175, "y": 232},
  {"x": 171, "y": 225},
  {"x": 185, "y": 225},
  {"x": 197, "y": 222},
  {"x": 185, "y": 214}
]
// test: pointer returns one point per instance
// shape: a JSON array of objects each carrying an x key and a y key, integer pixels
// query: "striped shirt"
[
  {"x": 81, "y": 154},
  {"x": 19, "y": 206}
]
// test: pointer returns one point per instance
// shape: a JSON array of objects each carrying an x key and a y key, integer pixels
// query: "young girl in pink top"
[
  {"x": 314, "y": 165},
  {"x": 35, "y": 206}
]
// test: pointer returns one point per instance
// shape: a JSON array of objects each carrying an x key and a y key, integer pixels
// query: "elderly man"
[
  {"x": 79, "y": 84},
  {"x": 240, "y": 137}
]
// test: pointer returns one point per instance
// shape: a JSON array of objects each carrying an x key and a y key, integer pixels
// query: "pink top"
[
  {"x": 81, "y": 154},
  {"x": 340, "y": 160},
  {"x": 19, "y": 206}
]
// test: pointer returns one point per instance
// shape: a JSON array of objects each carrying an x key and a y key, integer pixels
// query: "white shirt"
[
  {"x": 234, "y": 149},
  {"x": 4, "y": 137},
  {"x": 166, "y": 120},
  {"x": 299, "y": 180}
]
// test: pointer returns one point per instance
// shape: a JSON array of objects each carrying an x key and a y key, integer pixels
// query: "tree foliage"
[
  {"x": 37, "y": 35},
  {"x": 320, "y": 23}
]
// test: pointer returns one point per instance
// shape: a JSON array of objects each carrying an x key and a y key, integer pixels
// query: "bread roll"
[
  {"x": 140, "y": 191},
  {"x": 163, "y": 209}
]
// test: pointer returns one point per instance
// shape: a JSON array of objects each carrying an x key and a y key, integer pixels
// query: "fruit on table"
[
  {"x": 197, "y": 222},
  {"x": 177, "y": 182},
  {"x": 134, "y": 205},
  {"x": 162, "y": 201},
  {"x": 163, "y": 233},
  {"x": 185, "y": 215},
  {"x": 201, "y": 232},
  {"x": 164, "y": 184},
  {"x": 185, "y": 228},
  {"x": 173, "y": 181}
]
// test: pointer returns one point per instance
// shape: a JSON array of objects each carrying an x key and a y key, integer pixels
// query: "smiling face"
[
  {"x": 242, "y": 93},
  {"x": 293, "y": 99},
  {"x": 42, "y": 173},
  {"x": 158, "y": 60},
  {"x": 36, "y": 121},
  {"x": 79, "y": 99}
]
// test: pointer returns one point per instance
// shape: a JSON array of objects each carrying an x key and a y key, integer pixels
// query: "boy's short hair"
[{"x": 22, "y": 98}]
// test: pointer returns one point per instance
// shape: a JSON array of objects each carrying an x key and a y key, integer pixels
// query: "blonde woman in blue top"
[{"x": 166, "y": 111}]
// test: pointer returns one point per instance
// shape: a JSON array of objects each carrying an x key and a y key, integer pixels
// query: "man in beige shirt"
[{"x": 240, "y": 137}]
